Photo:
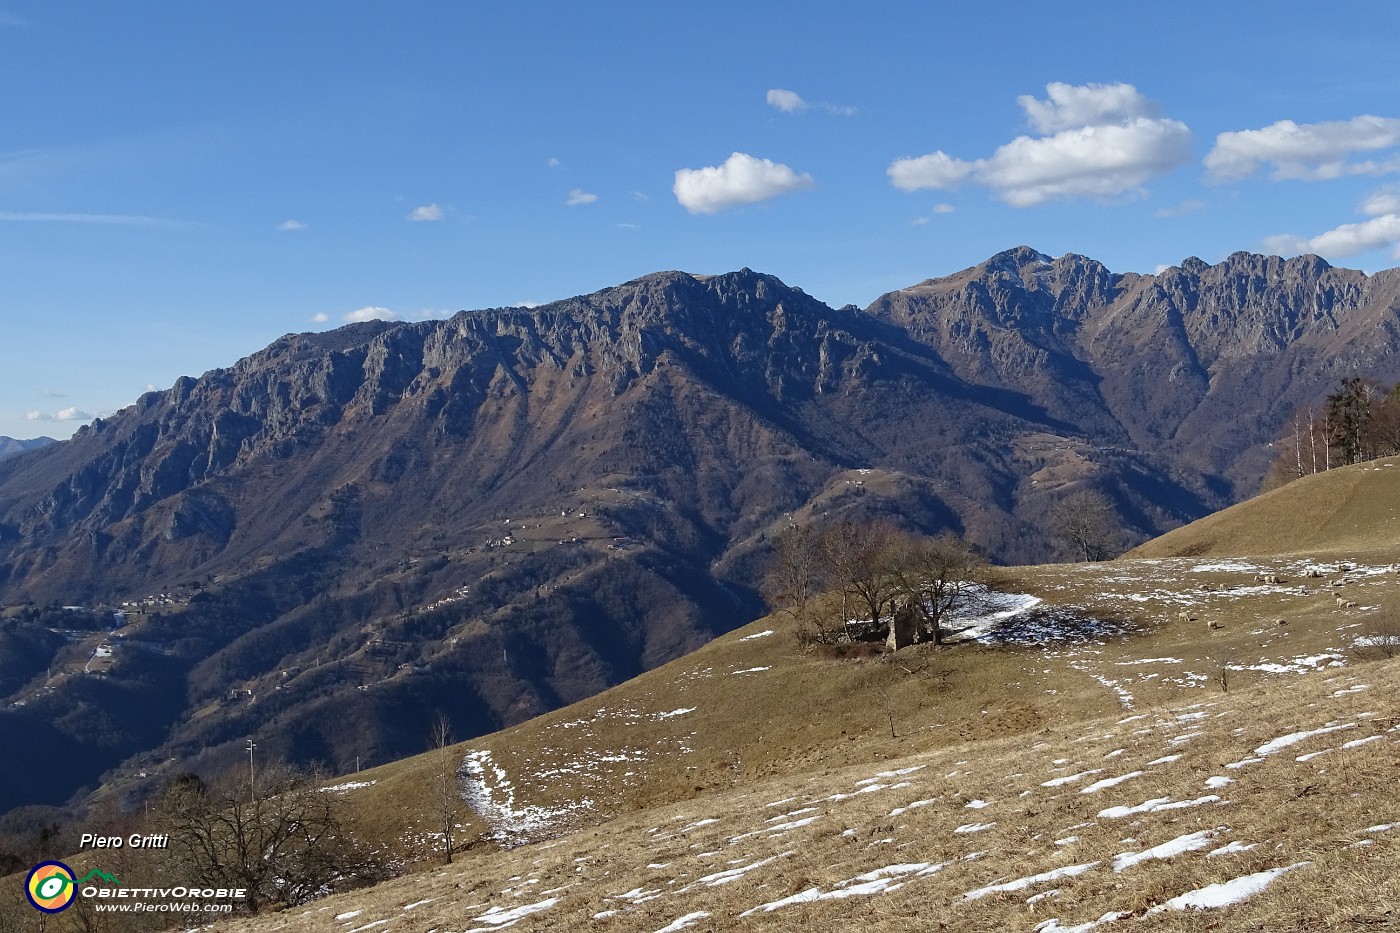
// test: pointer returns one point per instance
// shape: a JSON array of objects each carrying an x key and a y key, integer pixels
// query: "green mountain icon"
[{"x": 102, "y": 875}]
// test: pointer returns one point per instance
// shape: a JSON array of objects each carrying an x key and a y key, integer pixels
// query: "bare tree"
[
  {"x": 284, "y": 843},
  {"x": 1087, "y": 525},
  {"x": 932, "y": 576},
  {"x": 859, "y": 557},
  {"x": 445, "y": 795},
  {"x": 796, "y": 575}
]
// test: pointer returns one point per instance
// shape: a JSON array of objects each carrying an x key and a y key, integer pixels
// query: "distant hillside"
[
  {"x": 9, "y": 446},
  {"x": 499, "y": 514},
  {"x": 1354, "y": 509}
]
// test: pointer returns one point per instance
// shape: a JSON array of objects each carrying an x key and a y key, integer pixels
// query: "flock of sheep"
[{"x": 1274, "y": 579}]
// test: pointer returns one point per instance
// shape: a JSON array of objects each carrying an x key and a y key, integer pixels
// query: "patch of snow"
[
  {"x": 1111, "y": 782},
  {"x": 348, "y": 785},
  {"x": 1157, "y": 805},
  {"x": 976, "y": 804},
  {"x": 751, "y": 670},
  {"x": 1070, "y": 778},
  {"x": 680, "y": 923},
  {"x": 763, "y": 634},
  {"x": 1164, "y": 760},
  {"x": 1235, "y": 891},
  {"x": 912, "y": 806},
  {"x": 1219, "y": 781},
  {"x": 488, "y": 792},
  {"x": 1174, "y": 847},
  {"x": 676, "y": 712},
  {"x": 498, "y": 919},
  {"x": 1068, "y": 871},
  {"x": 973, "y": 827},
  {"x": 1293, "y": 738},
  {"x": 1231, "y": 848}
]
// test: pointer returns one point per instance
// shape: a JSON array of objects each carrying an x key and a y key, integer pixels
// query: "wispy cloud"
[
  {"x": 427, "y": 213},
  {"x": 9, "y": 19},
  {"x": 290, "y": 224},
  {"x": 1176, "y": 210},
  {"x": 741, "y": 179},
  {"x": 1103, "y": 141},
  {"x": 1310, "y": 151},
  {"x": 579, "y": 196},
  {"x": 320, "y": 317},
  {"x": 117, "y": 220},
  {"x": 793, "y": 102},
  {"x": 553, "y": 162}
]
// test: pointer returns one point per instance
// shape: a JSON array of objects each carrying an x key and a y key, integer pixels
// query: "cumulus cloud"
[
  {"x": 1069, "y": 106},
  {"x": 1104, "y": 141},
  {"x": 428, "y": 212},
  {"x": 742, "y": 179},
  {"x": 579, "y": 196},
  {"x": 1381, "y": 231},
  {"x": 786, "y": 101},
  {"x": 320, "y": 317},
  {"x": 290, "y": 224},
  {"x": 1311, "y": 151},
  {"x": 943, "y": 208},
  {"x": 67, "y": 414},
  {"x": 371, "y": 313}
]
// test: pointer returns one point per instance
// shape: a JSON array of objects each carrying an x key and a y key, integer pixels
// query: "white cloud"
[
  {"x": 792, "y": 102},
  {"x": 1107, "y": 142},
  {"x": 320, "y": 317},
  {"x": 1305, "y": 150},
  {"x": 579, "y": 196},
  {"x": 1070, "y": 106},
  {"x": 371, "y": 313},
  {"x": 943, "y": 208},
  {"x": 290, "y": 224},
  {"x": 742, "y": 179},
  {"x": 553, "y": 162},
  {"x": 1381, "y": 231},
  {"x": 640, "y": 196},
  {"x": 786, "y": 101},
  {"x": 1381, "y": 201},
  {"x": 428, "y": 212},
  {"x": 67, "y": 414},
  {"x": 918, "y": 221}
]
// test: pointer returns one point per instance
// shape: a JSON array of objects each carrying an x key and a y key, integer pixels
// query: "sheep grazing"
[
  {"x": 1313, "y": 573},
  {"x": 1212, "y": 624},
  {"x": 1185, "y": 616},
  {"x": 1280, "y": 622}
]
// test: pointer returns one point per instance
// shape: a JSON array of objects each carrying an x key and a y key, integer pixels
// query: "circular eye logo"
[{"x": 49, "y": 887}]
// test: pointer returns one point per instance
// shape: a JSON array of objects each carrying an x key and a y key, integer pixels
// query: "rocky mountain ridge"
[{"x": 503, "y": 512}]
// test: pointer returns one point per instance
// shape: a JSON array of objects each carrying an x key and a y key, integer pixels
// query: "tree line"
[{"x": 1359, "y": 421}]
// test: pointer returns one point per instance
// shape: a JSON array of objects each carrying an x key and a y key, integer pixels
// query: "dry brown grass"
[{"x": 1314, "y": 810}]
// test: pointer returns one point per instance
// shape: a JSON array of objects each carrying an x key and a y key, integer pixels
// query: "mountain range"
[
  {"x": 325, "y": 544},
  {"x": 10, "y": 446}
]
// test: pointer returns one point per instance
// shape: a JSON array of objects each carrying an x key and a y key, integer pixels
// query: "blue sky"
[{"x": 181, "y": 183}]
